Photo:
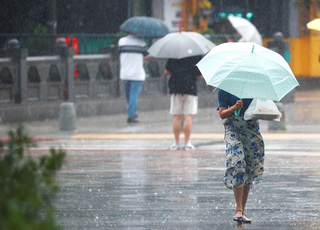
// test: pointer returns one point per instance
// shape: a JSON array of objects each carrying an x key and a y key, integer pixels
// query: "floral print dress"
[{"x": 244, "y": 153}]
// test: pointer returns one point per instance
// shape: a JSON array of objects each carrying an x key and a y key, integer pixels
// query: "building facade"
[{"x": 269, "y": 16}]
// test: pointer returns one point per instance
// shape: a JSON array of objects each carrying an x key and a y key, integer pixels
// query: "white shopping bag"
[{"x": 263, "y": 110}]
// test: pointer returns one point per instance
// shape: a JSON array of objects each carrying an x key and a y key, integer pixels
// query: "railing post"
[
  {"x": 69, "y": 74},
  {"x": 60, "y": 49},
  {"x": 19, "y": 73},
  {"x": 67, "y": 112},
  {"x": 66, "y": 55},
  {"x": 23, "y": 75}
]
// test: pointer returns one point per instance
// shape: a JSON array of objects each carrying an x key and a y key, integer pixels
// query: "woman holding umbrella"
[
  {"x": 244, "y": 150},
  {"x": 244, "y": 70}
]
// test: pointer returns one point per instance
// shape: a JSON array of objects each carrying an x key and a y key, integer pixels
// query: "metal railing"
[
  {"x": 43, "y": 44},
  {"x": 65, "y": 76}
]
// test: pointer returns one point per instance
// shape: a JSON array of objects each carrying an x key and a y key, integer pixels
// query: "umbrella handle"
[{"x": 237, "y": 112}]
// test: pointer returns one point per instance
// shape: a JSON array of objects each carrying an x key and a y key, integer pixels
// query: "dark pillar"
[
  {"x": 53, "y": 17},
  {"x": 138, "y": 8}
]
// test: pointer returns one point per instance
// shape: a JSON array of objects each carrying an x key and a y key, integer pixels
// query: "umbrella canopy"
[
  {"x": 180, "y": 45},
  {"x": 314, "y": 24},
  {"x": 145, "y": 27},
  {"x": 246, "y": 29},
  {"x": 248, "y": 70}
]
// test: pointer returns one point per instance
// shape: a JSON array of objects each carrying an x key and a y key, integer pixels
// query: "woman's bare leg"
[
  {"x": 238, "y": 195},
  {"x": 245, "y": 197}
]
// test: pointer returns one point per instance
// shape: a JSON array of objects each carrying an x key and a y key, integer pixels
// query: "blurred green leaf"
[{"x": 27, "y": 184}]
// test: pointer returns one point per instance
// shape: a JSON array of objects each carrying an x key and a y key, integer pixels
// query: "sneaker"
[
  {"x": 132, "y": 120},
  {"x": 174, "y": 146},
  {"x": 189, "y": 146}
]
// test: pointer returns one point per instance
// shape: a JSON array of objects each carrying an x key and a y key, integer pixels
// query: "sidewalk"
[
  {"x": 301, "y": 117},
  {"x": 129, "y": 179}
]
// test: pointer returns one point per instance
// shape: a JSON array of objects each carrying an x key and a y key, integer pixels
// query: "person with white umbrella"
[
  {"x": 184, "y": 50},
  {"x": 184, "y": 100}
]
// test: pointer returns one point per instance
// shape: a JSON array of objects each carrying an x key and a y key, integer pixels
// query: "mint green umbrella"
[{"x": 248, "y": 70}]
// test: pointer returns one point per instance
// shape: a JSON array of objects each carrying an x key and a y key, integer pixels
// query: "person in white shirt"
[{"x": 133, "y": 50}]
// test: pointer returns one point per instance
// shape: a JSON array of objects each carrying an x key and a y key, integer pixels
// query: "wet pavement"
[
  {"x": 148, "y": 189},
  {"x": 121, "y": 176}
]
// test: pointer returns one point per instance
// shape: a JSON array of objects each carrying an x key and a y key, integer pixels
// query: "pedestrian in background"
[
  {"x": 133, "y": 50},
  {"x": 281, "y": 47},
  {"x": 184, "y": 100},
  {"x": 244, "y": 151}
]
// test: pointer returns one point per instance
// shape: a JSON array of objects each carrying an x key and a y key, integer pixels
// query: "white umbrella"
[
  {"x": 180, "y": 45},
  {"x": 246, "y": 29}
]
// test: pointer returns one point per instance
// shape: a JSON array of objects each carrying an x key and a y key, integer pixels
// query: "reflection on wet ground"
[{"x": 145, "y": 189}]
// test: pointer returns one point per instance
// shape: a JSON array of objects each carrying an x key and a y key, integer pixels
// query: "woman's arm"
[{"x": 227, "y": 112}]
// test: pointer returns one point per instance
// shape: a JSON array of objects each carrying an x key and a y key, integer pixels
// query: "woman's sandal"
[
  {"x": 242, "y": 219},
  {"x": 236, "y": 218},
  {"x": 245, "y": 219}
]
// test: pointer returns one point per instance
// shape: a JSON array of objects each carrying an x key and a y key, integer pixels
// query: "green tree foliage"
[{"x": 27, "y": 185}]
